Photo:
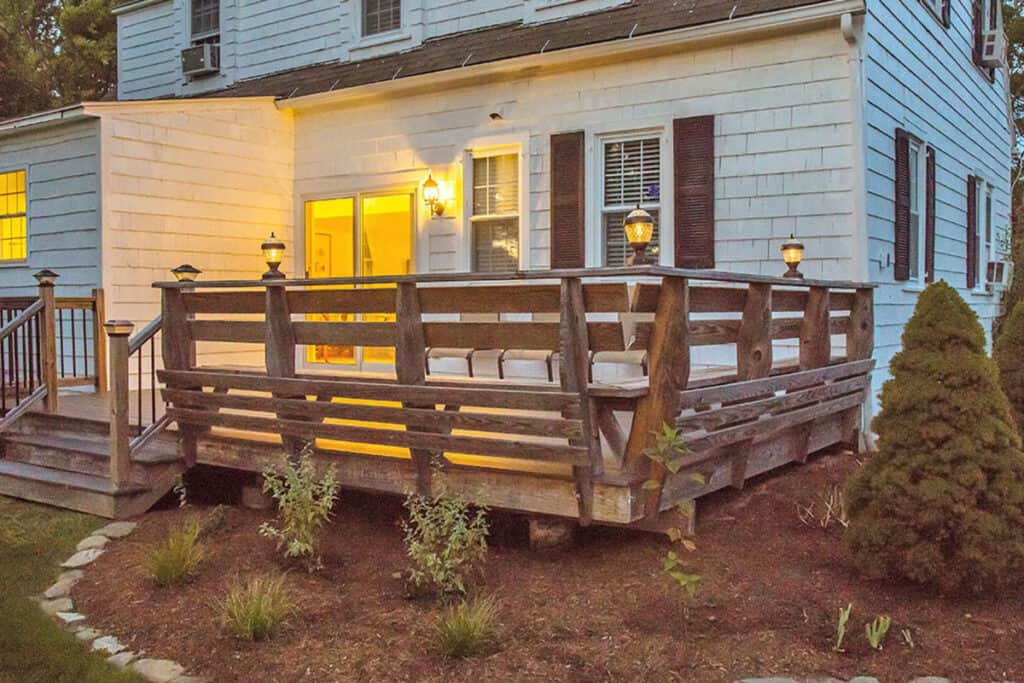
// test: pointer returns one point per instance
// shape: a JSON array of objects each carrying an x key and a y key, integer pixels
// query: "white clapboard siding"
[
  {"x": 63, "y": 188},
  {"x": 784, "y": 155},
  {"x": 192, "y": 182},
  {"x": 921, "y": 77}
]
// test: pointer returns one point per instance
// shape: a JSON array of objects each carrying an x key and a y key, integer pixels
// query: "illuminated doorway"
[{"x": 364, "y": 235}]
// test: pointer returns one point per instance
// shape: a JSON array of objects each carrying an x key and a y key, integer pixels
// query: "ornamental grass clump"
[
  {"x": 1008, "y": 352},
  {"x": 467, "y": 629},
  {"x": 942, "y": 502},
  {"x": 255, "y": 610},
  {"x": 177, "y": 559}
]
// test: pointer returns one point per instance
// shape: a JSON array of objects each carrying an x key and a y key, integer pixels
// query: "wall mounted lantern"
[
  {"x": 186, "y": 272},
  {"x": 46, "y": 277},
  {"x": 639, "y": 227},
  {"x": 273, "y": 253},
  {"x": 432, "y": 196},
  {"x": 792, "y": 254}
]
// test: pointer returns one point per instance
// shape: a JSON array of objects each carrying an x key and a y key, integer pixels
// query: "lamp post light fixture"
[
  {"x": 273, "y": 253},
  {"x": 119, "y": 328},
  {"x": 792, "y": 254},
  {"x": 186, "y": 272},
  {"x": 639, "y": 227},
  {"x": 432, "y": 196},
  {"x": 46, "y": 277}
]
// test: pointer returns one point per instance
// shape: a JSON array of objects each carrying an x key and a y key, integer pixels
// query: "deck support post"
[
  {"x": 669, "y": 354},
  {"x": 860, "y": 337},
  {"x": 410, "y": 368},
  {"x": 48, "y": 344},
  {"x": 815, "y": 335},
  {"x": 120, "y": 443},
  {"x": 178, "y": 350},
  {"x": 574, "y": 373},
  {"x": 753, "y": 360},
  {"x": 99, "y": 316},
  {"x": 279, "y": 349}
]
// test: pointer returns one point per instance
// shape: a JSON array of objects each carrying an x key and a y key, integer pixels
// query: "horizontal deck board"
[{"x": 741, "y": 391}]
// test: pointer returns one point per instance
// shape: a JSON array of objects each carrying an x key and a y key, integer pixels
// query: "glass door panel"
[
  {"x": 385, "y": 248},
  {"x": 330, "y": 252}
]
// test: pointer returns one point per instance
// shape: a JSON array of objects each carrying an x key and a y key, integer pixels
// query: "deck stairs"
[{"x": 65, "y": 461}]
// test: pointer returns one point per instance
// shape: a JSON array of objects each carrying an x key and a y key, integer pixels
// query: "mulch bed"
[{"x": 600, "y": 610}]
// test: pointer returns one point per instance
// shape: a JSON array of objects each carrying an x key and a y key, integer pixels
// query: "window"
[
  {"x": 917, "y": 202},
  {"x": 205, "y": 21},
  {"x": 380, "y": 16},
  {"x": 985, "y": 237},
  {"x": 12, "y": 216},
  {"x": 495, "y": 219},
  {"x": 632, "y": 176}
]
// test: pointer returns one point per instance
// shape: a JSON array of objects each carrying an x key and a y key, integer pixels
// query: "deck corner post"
[
  {"x": 669, "y": 373},
  {"x": 178, "y": 351},
  {"x": 574, "y": 373},
  {"x": 860, "y": 338},
  {"x": 99, "y": 316},
  {"x": 410, "y": 368},
  {"x": 279, "y": 353},
  {"x": 48, "y": 343},
  {"x": 118, "y": 334}
]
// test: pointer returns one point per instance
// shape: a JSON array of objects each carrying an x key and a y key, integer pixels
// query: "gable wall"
[{"x": 921, "y": 77}]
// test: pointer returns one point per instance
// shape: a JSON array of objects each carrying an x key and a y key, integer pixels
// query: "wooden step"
[
  {"x": 70, "y": 490},
  {"x": 76, "y": 454}
]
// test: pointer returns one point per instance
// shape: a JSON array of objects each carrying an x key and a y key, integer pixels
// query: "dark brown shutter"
[
  {"x": 972, "y": 232},
  {"x": 568, "y": 248},
  {"x": 929, "y": 216},
  {"x": 901, "y": 238},
  {"x": 978, "y": 22},
  {"x": 693, "y": 144},
  {"x": 945, "y": 13}
]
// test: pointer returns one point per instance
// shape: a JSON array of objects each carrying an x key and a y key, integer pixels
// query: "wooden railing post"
[
  {"x": 815, "y": 337},
  {"x": 574, "y": 372},
  {"x": 279, "y": 350},
  {"x": 178, "y": 349},
  {"x": 754, "y": 343},
  {"x": 669, "y": 353},
  {"x": 860, "y": 337},
  {"x": 120, "y": 441},
  {"x": 410, "y": 367},
  {"x": 48, "y": 338},
  {"x": 99, "y": 350}
]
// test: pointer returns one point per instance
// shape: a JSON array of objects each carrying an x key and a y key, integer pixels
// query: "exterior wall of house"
[
  {"x": 267, "y": 36},
  {"x": 191, "y": 182},
  {"x": 63, "y": 206},
  {"x": 784, "y": 147},
  {"x": 920, "y": 76}
]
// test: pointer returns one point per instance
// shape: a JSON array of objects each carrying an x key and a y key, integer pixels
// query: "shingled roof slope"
[{"x": 641, "y": 17}]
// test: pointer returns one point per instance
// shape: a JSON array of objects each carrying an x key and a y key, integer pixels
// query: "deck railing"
[{"x": 663, "y": 312}]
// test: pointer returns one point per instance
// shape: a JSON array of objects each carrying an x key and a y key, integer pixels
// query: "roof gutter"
[
  {"x": 52, "y": 117},
  {"x": 731, "y": 30}
]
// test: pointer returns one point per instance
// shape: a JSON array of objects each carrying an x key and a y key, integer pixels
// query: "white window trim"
[
  {"x": 20, "y": 263},
  {"x": 491, "y": 148},
  {"x": 195, "y": 38},
  {"x": 983, "y": 193},
  {"x": 917, "y": 284},
  {"x": 403, "y": 34},
  {"x": 595, "y": 190}
]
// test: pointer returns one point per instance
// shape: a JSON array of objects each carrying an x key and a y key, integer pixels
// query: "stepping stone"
[
  {"x": 52, "y": 607},
  {"x": 70, "y": 617},
  {"x": 190, "y": 679},
  {"x": 82, "y": 558},
  {"x": 108, "y": 644},
  {"x": 864, "y": 679},
  {"x": 158, "y": 670},
  {"x": 122, "y": 659},
  {"x": 62, "y": 588},
  {"x": 88, "y": 634},
  {"x": 92, "y": 542},
  {"x": 930, "y": 679},
  {"x": 116, "y": 530}
]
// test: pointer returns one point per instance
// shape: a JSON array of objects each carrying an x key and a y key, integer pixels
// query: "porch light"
[
  {"x": 273, "y": 253},
  {"x": 792, "y": 254},
  {"x": 186, "y": 272},
  {"x": 639, "y": 227},
  {"x": 432, "y": 196},
  {"x": 46, "y": 277}
]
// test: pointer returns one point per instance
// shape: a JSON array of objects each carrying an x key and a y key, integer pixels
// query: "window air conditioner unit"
[
  {"x": 993, "y": 38},
  {"x": 200, "y": 60},
  {"x": 999, "y": 273}
]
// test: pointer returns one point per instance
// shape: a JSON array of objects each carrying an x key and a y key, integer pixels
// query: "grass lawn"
[{"x": 33, "y": 540}]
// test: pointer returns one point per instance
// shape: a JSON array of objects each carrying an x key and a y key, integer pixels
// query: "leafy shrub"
[
  {"x": 942, "y": 502},
  {"x": 1008, "y": 352},
  {"x": 445, "y": 539},
  {"x": 467, "y": 629},
  {"x": 176, "y": 560},
  {"x": 254, "y": 610},
  {"x": 304, "y": 502}
]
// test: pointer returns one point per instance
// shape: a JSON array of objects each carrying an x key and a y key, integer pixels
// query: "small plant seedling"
[
  {"x": 876, "y": 631},
  {"x": 254, "y": 610},
  {"x": 446, "y": 540},
  {"x": 832, "y": 510},
  {"x": 669, "y": 451},
  {"x": 467, "y": 629},
  {"x": 177, "y": 559},
  {"x": 688, "y": 581},
  {"x": 908, "y": 638},
  {"x": 844, "y": 618}
]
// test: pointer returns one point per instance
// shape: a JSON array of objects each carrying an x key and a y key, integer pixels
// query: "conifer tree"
[
  {"x": 1008, "y": 352},
  {"x": 942, "y": 502}
]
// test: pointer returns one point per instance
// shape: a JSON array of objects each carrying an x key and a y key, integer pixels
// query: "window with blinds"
[
  {"x": 631, "y": 176},
  {"x": 495, "y": 219},
  {"x": 13, "y": 200},
  {"x": 380, "y": 16},
  {"x": 205, "y": 21}
]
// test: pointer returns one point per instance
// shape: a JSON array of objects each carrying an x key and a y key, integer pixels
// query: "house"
[{"x": 876, "y": 132}]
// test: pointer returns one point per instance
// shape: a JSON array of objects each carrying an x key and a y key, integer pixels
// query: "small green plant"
[
  {"x": 876, "y": 630},
  {"x": 304, "y": 502},
  {"x": 254, "y": 610},
  {"x": 687, "y": 581},
  {"x": 467, "y": 629},
  {"x": 908, "y": 638},
  {"x": 669, "y": 451},
  {"x": 177, "y": 559},
  {"x": 844, "y": 618},
  {"x": 445, "y": 540}
]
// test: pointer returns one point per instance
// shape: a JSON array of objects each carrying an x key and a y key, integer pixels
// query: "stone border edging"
[{"x": 56, "y": 602}]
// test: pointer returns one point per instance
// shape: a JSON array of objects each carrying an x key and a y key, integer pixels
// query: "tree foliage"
[
  {"x": 54, "y": 53},
  {"x": 942, "y": 502},
  {"x": 1008, "y": 353}
]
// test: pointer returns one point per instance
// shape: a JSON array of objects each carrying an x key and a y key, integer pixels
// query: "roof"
[{"x": 493, "y": 44}]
